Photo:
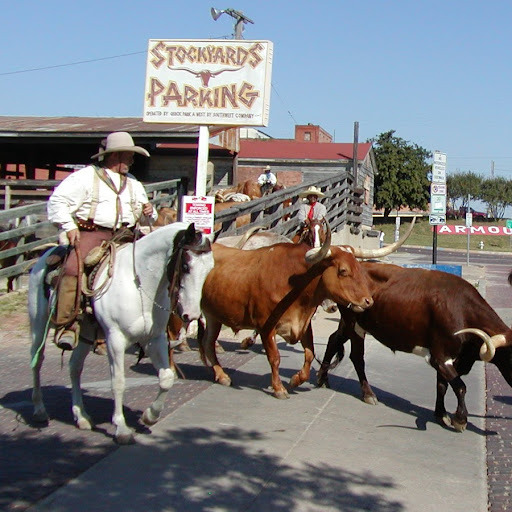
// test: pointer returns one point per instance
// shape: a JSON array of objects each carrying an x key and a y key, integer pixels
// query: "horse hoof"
[
  {"x": 41, "y": 417},
  {"x": 281, "y": 395},
  {"x": 246, "y": 343},
  {"x": 84, "y": 424},
  {"x": 370, "y": 399},
  {"x": 218, "y": 348},
  {"x": 125, "y": 439},
  {"x": 148, "y": 418},
  {"x": 224, "y": 381}
]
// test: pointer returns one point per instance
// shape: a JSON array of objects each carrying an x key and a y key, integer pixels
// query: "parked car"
[{"x": 478, "y": 215}]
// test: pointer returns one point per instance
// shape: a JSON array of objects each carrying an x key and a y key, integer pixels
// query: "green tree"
[
  {"x": 463, "y": 186},
  {"x": 497, "y": 193},
  {"x": 402, "y": 178}
]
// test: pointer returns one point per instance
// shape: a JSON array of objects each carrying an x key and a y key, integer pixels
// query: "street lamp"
[{"x": 237, "y": 15}]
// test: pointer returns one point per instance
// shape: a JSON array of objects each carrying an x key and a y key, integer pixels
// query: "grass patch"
[
  {"x": 422, "y": 235},
  {"x": 13, "y": 302}
]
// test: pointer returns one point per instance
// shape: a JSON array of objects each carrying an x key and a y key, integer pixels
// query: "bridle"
[{"x": 175, "y": 269}]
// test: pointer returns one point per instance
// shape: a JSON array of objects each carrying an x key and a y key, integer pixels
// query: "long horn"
[
  {"x": 488, "y": 348},
  {"x": 319, "y": 253},
  {"x": 383, "y": 251},
  {"x": 247, "y": 235}
]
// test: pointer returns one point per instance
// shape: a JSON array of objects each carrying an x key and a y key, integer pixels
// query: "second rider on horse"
[{"x": 90, "y": 205}]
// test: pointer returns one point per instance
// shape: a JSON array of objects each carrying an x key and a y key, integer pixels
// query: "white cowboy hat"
[
  {"x": 312, "y": 191},
  {"x": 267, "y": 168},
  {"x": 119, "y": 141}
]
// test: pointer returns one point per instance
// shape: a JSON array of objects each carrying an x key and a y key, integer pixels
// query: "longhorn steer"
[
  {"x": 276, "y": 290},
  {"x": 424, "y": 312}
]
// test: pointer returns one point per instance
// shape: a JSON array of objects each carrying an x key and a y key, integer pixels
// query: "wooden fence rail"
[{"x": 28, "y": 225}]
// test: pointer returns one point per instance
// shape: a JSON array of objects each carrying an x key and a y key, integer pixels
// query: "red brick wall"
[{"x": 286, "y": 178}]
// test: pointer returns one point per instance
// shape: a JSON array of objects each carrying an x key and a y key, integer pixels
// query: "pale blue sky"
[{"x": 437, "y": 72}]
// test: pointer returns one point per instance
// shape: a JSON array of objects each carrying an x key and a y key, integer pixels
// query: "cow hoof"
[
  {"x": 246, "y": 343},
  {"x": 125, "y": 439},
  {"x": 444, "y": 420},
  {"x": 224, "y": 381},
  {"x": 458, "y": 426},
  {"x": 295, "y": 381},
  {"x": 370, "y": 399},
  {"x": 281, "y": 395},
  {"x": 183, "y": 347}
]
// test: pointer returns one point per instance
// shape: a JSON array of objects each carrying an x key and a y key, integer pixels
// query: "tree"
[
  {"x": 463, "y": 186},
  {"x": 402, "y": 178},
  {"x": 497, "y": 193}
]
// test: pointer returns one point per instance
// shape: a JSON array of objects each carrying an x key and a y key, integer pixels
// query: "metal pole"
[
  {"x": 434, "y": 245},
  {"x": 468, "y": 210}
]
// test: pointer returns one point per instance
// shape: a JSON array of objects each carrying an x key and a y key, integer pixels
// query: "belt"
[{"x": 89, "y": 225}]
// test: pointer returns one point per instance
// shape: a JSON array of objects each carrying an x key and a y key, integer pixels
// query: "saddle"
[{"x": 97, "y": 259}]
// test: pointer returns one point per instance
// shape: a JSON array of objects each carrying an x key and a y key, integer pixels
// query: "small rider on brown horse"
[
  {"x": 267, "y": 181},
  {"x": 312, "y": 210},
  {"x": 91, "y": 206}
]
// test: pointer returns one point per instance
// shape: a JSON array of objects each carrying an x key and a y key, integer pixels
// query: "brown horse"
[{"x": 312, "y": 234}]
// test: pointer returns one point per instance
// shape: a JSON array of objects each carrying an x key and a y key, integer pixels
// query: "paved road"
[{"x": 240, "y": 449}]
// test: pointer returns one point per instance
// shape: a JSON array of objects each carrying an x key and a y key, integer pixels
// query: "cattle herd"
[{"x": 267, "y": 283}]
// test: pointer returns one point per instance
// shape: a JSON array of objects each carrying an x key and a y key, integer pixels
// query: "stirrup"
[{"x": 66, "y": 339}]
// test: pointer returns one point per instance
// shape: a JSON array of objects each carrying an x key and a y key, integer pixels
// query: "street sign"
[
  {"x": 200, "y": 211},
  {"x": 437, "y": 204},
  {"x": 438, "y": 189},
  {"x": 436, "y": 220},
  {"x": 439, "y": 173},
  {"x": 469, "y": 220},
  {"x": 439, "y": 157}
]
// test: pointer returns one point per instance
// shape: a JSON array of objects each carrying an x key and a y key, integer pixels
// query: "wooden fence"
[
  {"x": 277, "y": 212},
  {"x": 28, "y": 226}
]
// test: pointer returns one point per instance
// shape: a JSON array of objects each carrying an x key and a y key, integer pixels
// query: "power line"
[
  {"x": 71, "y": 63},
  {"x": 289, "y": 113}
]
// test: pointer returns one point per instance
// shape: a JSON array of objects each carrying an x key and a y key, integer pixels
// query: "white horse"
[{"x": 164, "y": 271}]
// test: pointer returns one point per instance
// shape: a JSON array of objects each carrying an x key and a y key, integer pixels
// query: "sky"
[{"x": 438, "y": 72}]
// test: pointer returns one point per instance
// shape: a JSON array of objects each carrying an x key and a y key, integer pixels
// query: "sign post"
[{"x": 437, "y": 198}]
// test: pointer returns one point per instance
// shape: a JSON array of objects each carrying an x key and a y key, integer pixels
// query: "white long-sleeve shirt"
[
  {"x": 74, "y": 198},
  {"x": 267, "y": 177}
]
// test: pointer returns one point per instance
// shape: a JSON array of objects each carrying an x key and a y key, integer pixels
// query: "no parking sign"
[{"x": 200, "y": 211}]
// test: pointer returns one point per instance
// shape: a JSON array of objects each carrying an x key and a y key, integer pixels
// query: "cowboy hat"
[
  {"x": 117, "y": 142},
  {"x": 312, "y": 191}
]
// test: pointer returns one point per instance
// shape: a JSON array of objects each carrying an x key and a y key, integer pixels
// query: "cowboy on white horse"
[{"x": 90, "y": 205}]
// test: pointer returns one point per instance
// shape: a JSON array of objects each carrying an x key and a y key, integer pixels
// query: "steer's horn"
[
  {"x": 247, "y": 235},
  {"x": 488, "y": 348},
  {"x": 319, "y": 253},
  {"x": 383, "y": 251}
]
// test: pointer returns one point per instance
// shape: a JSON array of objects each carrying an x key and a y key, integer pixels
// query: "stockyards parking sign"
[{"x": 213, "y": 82}]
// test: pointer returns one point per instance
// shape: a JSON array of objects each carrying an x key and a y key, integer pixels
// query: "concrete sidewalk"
[{"x": 238, "y": 448}]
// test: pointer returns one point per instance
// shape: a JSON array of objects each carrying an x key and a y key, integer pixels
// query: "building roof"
[
  {"x": 85, "y": 127},
  {"x": 293, "y": 150}
]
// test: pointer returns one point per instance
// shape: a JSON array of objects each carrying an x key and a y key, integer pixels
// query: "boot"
[{"x": 66, "y": 334}]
